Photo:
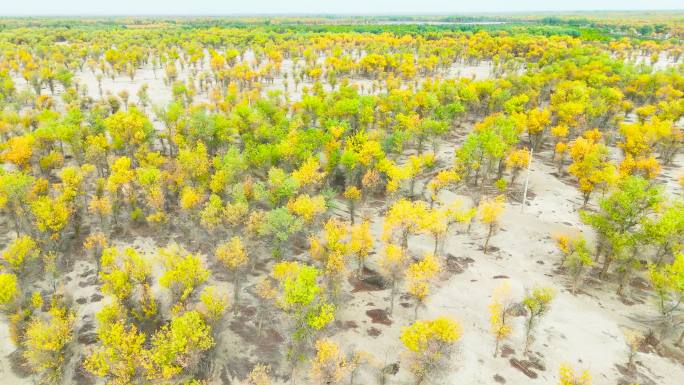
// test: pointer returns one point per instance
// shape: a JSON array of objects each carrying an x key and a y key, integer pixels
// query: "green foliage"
[
  {"x": 45, "y": 342},
  {"x": 183, "y": 274},
  {"x": 619, "y": 221},
  {"x": 537, "y": 302},
  {"x": 177, "y": 348},
  {"x": 301, "y": 298},
  {"x": 19, "y": 252},
  {"x": 668, "y": 283},
  {"x": 119, "y": 358},
  {"x": 280, "y": 224}
]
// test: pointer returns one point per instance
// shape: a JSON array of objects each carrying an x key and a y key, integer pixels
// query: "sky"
[{"x": 236, "y": 7}]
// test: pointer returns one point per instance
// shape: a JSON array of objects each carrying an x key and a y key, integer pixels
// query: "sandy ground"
[{"x": 585, "y": 330}]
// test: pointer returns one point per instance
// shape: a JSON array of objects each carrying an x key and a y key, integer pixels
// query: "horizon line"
[{"x": 329, "y": 14}]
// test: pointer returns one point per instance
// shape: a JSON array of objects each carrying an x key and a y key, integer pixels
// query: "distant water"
[{"x": 423, "y": 22}]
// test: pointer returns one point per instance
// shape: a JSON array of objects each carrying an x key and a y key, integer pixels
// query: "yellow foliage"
[
  {"x": 51, "y": 215},
  {"x": 352, "y": 193},
  {"x": 232, "y": 253},
  {"x": 190, "y": 198},
  {"x": 335, "y": 232},
  {"x": 518, "y": 159},
  {"x": 361, "y": 240},
  {"x": 20, "y": 251},
  {"x": 9, "y": 289},
  {"x": 648, "y": 167},
  {"x": 491, "y": 209},
  {"x": 120, "y": 355},
  {"x": 430, "y": 344},
  {"x": 498, "y": 310},
  {"x": 213, "y": 303},
  {"x": 404, "y": 217},
  {"x": 100, "y": 206},
  {"x": 44, "y": 344},
  {"x": 235, "y": 213},
  {"x": 567, "y": 376},
  {"x": 18, "y": 150},
  {"x": 443, "y": 179},
  {"x": 420, "y": 274},
  {"x": 259, "y": 375},
  {"x": 308, "y": 173},
  {"x": 421, "y": 334},
  {"x": 328, "y": 366},
  {"x": 307, "y": 207}
]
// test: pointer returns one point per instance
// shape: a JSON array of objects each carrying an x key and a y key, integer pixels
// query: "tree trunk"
[
  {"x": 528, "y": 333},
  {"x": 393, "y": 292},
  {"x": 236, "y": 291},
  {"x": 489, "y": 234},
  {"x": 606, "y": 265},
  {"x": 351, "y": 211}
]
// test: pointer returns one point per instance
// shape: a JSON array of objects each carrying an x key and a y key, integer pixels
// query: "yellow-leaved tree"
[
  {"x": 567, "y": 376},
  {"x": 45, "y": 344},
  {"x": 590, "y": 164},
  {"x": 430, "y": 344},
  {"x": 490, "y": 212},
  {"x": 393, "y": 264},
  {"x": 499, "y": 310},
  {"x": 419, "y": 276},
  {"x": 234, "y": 257},
  {"x": 361, "y": 244},
  {"x": 328, "y": 366}
]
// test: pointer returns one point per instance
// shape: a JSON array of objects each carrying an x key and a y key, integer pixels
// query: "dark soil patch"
[
  {"x": 87, "y": 273},
  {"x": 500, "y": 277},
  {"x": 649, "y": 343},
  {"x": 499, "y": 379},
  {"x": 391, "y": 369},
  {"x": 630, "y": 377},
  {"x": 639, "y": 283},
  {"x": 630, "y": 301},
  {"x": 490, "y": 249},
  {"x": 82, "y": 376},
  {"x": 96, "y": 298},
  {"x": 88, "y": 282},
  {"x": 225, "y": 380},
  {"x": 81, "y": 301},
  {"x": 405, "y": 305},
  {"x": 87, "y": 327},
  {"x": 299, "y": 243},
  {"x": 238, "y": 368},
  {"x": 373, "y": 332},
  {"x": 458, "y": 265},
  {"x": 526, "y": 367},
  {"x": 87, "y": 338},
  {"x": 349, "y": 325},
  {"x": 268, "y": 344},
  {"x": 623, "y": 370},
  {"x": 86, "y": 334},
  {"x": 247, "y": 311},
  {"x": 371, "y": 281},
  {"x": 18, "y": 364},
  {"x": 671, "y": 352},
  {"x": 379, "y": 316},
  {"x": 506, "y": 351}
]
